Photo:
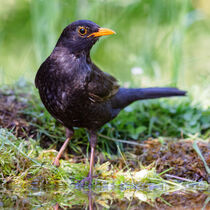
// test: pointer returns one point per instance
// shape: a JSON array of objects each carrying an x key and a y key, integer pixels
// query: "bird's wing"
[
  {"x": 41, "y": 72},
  {"x": 101, "y": 86}
]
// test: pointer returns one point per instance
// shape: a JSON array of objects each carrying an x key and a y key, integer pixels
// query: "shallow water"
[{"x": 103, "y": 198}]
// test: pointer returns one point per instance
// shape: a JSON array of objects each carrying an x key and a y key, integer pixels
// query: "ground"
[
  {"x": 175, "y": 155},
  {"x": 159, "y": 172}
]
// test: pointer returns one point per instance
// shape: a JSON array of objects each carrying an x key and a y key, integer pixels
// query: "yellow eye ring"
[{"x": 82, "y": 30}]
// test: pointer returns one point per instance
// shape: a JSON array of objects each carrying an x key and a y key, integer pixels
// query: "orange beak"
[{"x": 102, "y": 32}]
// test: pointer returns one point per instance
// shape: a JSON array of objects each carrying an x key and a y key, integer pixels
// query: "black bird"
[{"x": 77, "y": 93}]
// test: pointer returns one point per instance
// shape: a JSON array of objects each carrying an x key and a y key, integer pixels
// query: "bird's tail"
[{"x": 126, "y": 96}]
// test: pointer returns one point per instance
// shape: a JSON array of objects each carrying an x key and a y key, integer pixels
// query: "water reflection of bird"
[{"x": 77, "y": 93}]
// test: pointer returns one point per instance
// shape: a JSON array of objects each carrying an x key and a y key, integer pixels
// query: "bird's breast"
[{"x": 62, "y": 84}]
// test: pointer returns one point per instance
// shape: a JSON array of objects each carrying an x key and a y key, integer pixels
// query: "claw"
[{"x": 56, "y": 163}]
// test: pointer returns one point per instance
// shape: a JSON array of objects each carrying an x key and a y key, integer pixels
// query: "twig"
[
  {"x": 177, "y": 177},
  {"x": 120, "y": 140}
]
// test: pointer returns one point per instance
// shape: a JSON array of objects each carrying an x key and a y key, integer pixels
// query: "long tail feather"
[{"x": 126, "y": 96}]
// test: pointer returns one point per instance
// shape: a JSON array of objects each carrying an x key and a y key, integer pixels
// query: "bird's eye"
[{"x": 82, "y": 31}]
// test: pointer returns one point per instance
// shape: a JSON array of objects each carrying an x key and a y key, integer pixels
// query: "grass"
[{"x": 25, "y": 163}]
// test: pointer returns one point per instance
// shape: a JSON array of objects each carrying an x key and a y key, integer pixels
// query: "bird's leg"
[
  {"x": 90, "y": 202},
  {"x": 69, "y": 134},
  {"x": 93, "y": 141}
]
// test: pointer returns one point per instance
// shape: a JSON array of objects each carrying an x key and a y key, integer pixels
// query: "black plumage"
[{"x": 77, "y": 93}]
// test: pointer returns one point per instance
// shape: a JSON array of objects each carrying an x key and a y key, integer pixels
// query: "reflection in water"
[
  {"x": 103, "y": 199},
  {"x": 90, "y": 200}
]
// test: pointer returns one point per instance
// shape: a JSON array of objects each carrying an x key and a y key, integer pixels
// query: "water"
[{"x": 102, "y": 198}]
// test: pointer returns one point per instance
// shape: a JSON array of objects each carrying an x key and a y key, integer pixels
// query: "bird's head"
[{"x": 81, "y": 35}]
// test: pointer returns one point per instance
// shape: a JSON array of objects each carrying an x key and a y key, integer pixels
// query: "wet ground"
[{"x": 103, "y": 198}]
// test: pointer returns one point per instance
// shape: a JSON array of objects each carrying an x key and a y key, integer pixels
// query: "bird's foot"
[
  {"x": 87, "y": 180},
  {"x": 56, "y": 162},
  {"x": 56, "y": 206}
]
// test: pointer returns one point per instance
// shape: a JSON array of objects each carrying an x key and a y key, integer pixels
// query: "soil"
[
  {"x": 179, "y": 156},
  {"x": 11, "y": 116}
]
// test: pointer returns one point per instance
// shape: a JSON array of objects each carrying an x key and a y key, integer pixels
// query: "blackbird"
[{"x": 77, "y": 93}]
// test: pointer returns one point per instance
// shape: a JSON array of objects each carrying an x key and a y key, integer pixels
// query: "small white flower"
[
  {"x": 137, "y": 70},
  {"x": 141, "y": 174}
]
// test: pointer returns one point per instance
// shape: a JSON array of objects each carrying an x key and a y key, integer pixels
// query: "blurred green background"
[{"x": 158, "y": 42}]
